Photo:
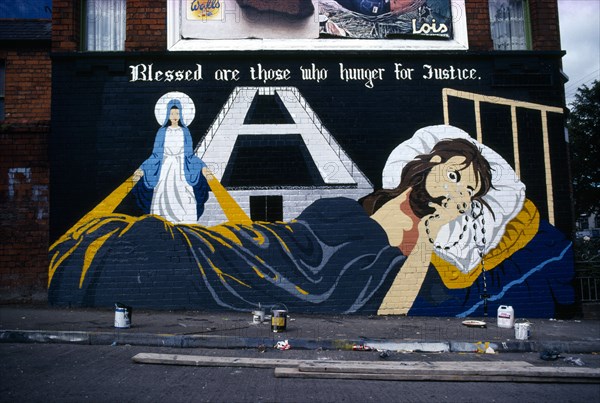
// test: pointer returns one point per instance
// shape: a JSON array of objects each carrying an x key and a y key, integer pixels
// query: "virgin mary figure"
[{"x": 172, "y": 185}]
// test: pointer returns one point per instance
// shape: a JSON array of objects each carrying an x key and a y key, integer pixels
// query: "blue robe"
[{"x": 152, "y": 166}]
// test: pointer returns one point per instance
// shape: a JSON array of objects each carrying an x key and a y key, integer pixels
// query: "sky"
[{"x": 580, "y": 38}]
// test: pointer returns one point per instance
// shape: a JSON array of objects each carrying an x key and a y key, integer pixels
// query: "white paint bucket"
[
  {"x": 506, "y": 316},
  {"x": 522, "y": 330},
  {"x": 258, "y": 317},
  {"x": 122, "y": 316}
]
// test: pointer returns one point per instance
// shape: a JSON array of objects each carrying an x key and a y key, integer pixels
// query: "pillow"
[{"x": 505, "y": 199}]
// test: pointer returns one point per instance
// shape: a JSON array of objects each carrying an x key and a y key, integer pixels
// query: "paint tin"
[
  {"x": 258, "y": 317},
  {"x": 278, "y": 320},
  {"x": 522, "y": 330},
  {"x": 122, "y": 316}
]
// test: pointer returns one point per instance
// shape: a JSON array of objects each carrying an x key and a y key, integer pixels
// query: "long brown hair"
[{"x": 416, "y": 171}]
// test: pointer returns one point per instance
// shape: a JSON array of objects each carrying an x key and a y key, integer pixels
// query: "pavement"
[{"x": 230, "y": 330}]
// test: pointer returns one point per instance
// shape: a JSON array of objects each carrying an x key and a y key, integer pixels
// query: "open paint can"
[
  {"x": 522, "y": 330},
  {"x": 122, "y": 316},
  {"x": 258, "y": 317},
  {"x": 278, "y": 320}
]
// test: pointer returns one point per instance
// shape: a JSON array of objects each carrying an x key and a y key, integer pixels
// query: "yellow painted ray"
[
  {"x": 93, "y": 220},
  {"x": 230, "y": 207},
  {"x": 104, "y": 208},
  {"x": 90, "y": 253}
]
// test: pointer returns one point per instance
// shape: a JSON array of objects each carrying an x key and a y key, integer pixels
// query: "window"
[
  {"x": 266, "y": 208},
  {"x": 104, "y": 25},
  {"x": 2, "y": 85},
  {"x": 509, "y": 20}
]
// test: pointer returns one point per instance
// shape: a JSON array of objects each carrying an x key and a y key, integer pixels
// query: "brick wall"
[
  {"x": 28, "y": 87},
  {"x": 66, "y": 20},
  {"x": 24, "y": 175},
  {"x": 24, "y": 216},
  {"x": 545, "y": 30},
  {"x": 146, "y": 26},
  {"x": 478, "y": 19}
]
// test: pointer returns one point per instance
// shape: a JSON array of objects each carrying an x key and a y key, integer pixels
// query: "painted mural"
[{"x": 451, "y": 230}]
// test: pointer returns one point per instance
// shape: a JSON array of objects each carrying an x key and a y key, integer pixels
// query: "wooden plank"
[
  {"x": 417, "y": 370},
  {"x": 408, "y": 376},
  {"x": 420, "y": 366},
  {"x": 200, "y": 360},
  {"x": 465, "y": 369},
  {"x": 207, "y": 361}
]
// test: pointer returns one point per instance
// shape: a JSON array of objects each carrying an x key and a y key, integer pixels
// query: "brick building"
[
  {"x": 300, "y": 109},
  {"x": 25, "y": 73}
]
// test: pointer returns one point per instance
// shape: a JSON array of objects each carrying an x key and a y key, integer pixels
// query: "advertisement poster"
[
  {"x": 376, "y": 19},
  {"x": 256, "y": 19},
  {"x": 310, "y": 19}
]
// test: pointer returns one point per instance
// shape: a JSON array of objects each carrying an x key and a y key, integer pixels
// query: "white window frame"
[{"x": 175, "y": 42}]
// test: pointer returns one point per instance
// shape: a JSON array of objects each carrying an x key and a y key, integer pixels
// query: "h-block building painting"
[{"x": 271, "y": 151}]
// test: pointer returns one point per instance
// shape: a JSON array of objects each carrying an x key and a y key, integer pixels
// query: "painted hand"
[
  {"x": 137, "y": 175},
  {"x": 445, "y": 212},
  {"x": 208, "y": 174}
]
